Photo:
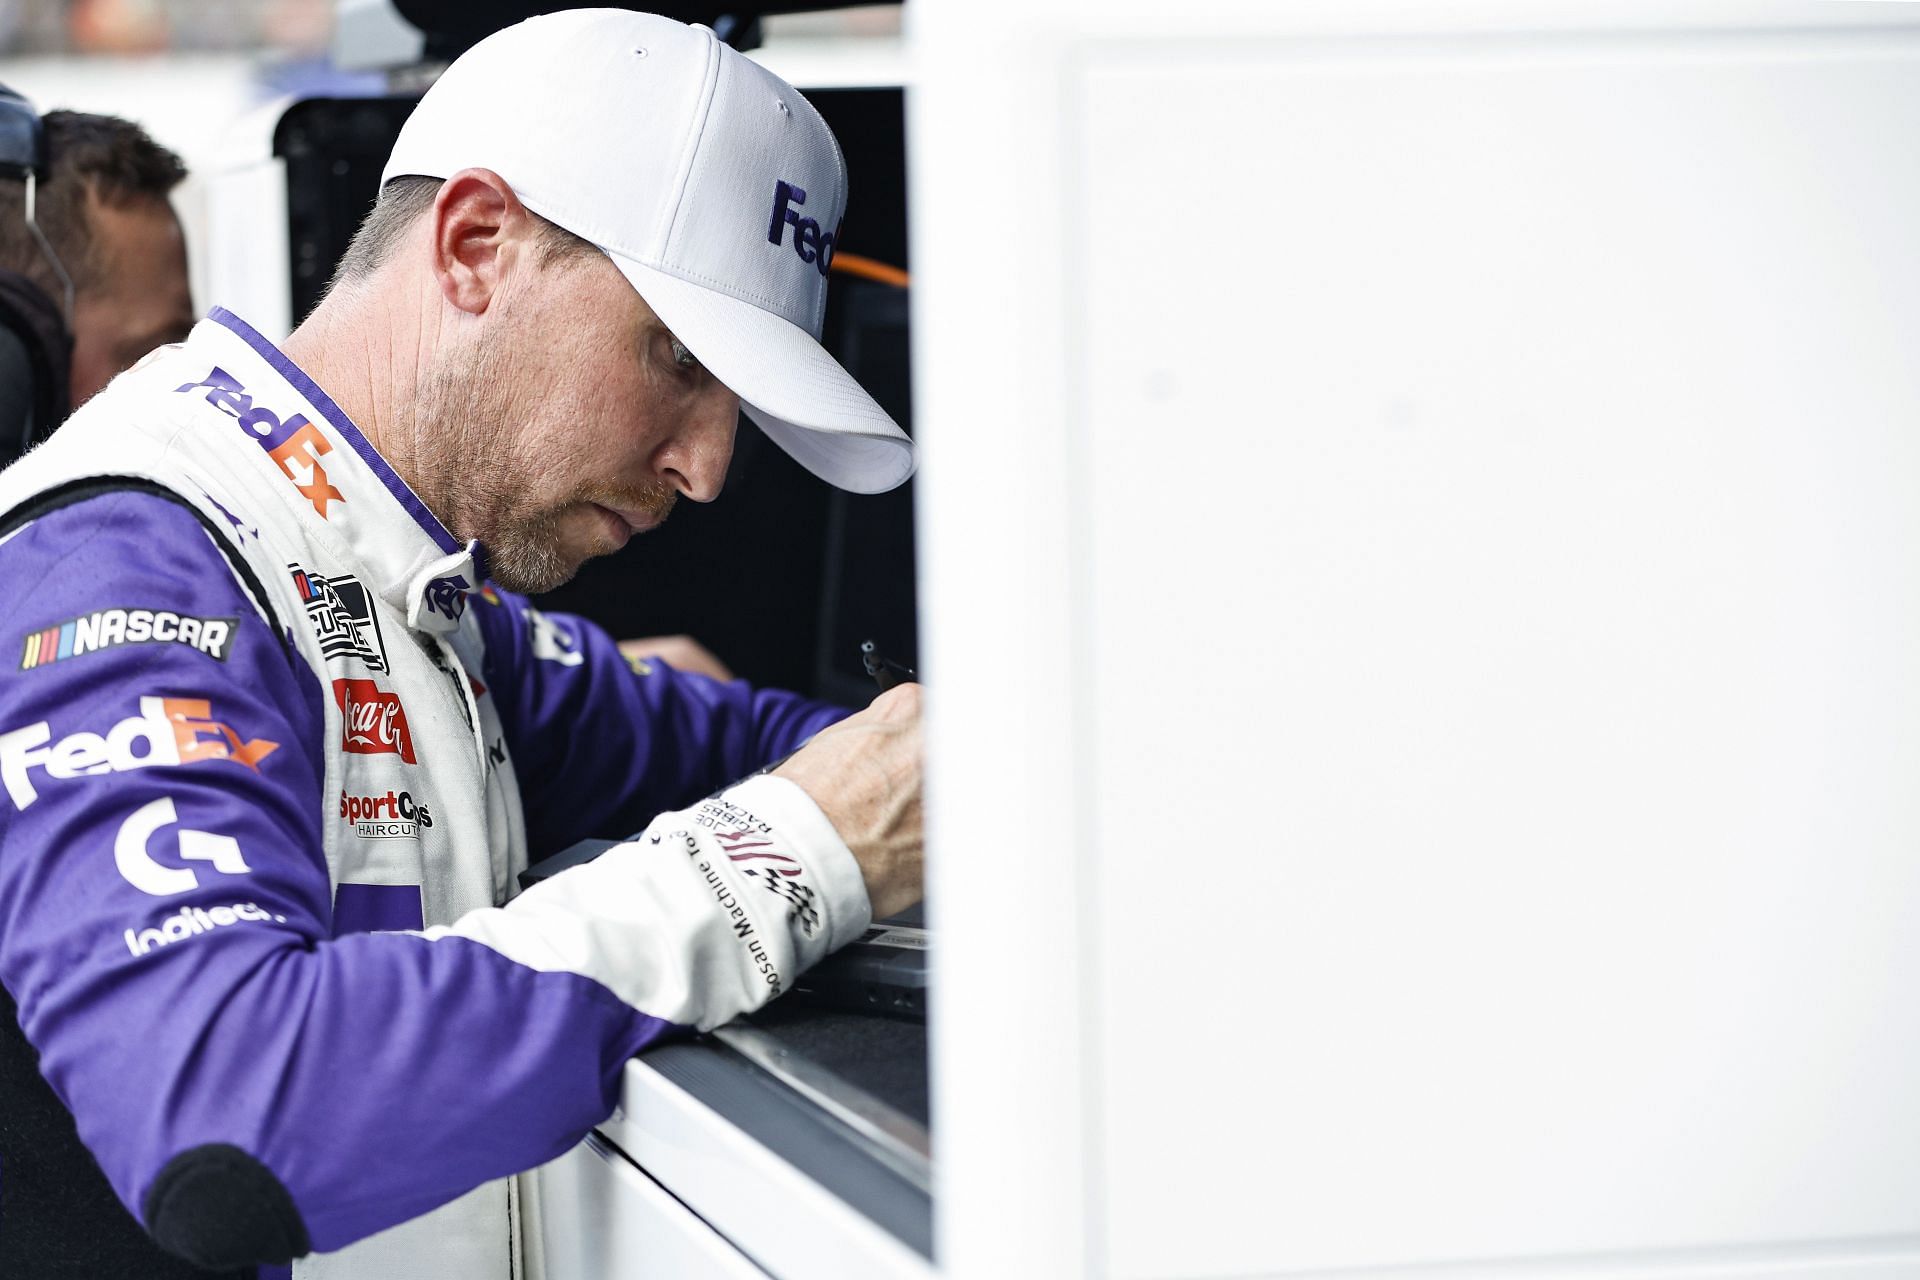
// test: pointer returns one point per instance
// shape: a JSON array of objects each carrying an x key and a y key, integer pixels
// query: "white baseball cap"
[{"x": 716, "y": 188}]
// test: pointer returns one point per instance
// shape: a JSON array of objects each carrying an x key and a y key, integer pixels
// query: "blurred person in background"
[{"x": 105, "y": 213}]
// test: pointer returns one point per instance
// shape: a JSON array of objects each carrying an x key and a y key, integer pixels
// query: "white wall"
[{"x": 1418, "y": 509}]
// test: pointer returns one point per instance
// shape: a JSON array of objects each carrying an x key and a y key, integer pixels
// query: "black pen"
[{"x": 885, "y": 671}]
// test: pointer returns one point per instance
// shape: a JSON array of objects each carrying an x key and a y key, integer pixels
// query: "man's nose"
[{"x": 695, "y": 460}]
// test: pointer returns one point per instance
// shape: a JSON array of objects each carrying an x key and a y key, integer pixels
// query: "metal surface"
[{"x": 899, "y": 1141}]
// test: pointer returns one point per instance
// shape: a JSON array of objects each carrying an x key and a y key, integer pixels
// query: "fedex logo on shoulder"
[
  {"x": 808, "y": 242},
  {"x": 168, "y": 731},
  {"x": 295, "y": 445}
]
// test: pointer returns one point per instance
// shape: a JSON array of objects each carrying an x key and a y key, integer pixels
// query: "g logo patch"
[{"x": 138, "y": 868}]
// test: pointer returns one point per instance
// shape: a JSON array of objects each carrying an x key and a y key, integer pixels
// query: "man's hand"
[{"x": 864, "y": 773}]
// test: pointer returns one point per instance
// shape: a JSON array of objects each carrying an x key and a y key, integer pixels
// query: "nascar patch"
[{"x": 112, "y": 628}]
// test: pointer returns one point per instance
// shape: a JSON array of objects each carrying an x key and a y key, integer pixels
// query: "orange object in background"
[
  {"x": 869, "y": 269},
  {"x": 118, "y": 26}
]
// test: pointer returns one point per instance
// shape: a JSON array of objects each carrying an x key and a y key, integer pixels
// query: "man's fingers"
[
  {"x": 864, "y": 773},
  {"x": 902, "y": 702}
]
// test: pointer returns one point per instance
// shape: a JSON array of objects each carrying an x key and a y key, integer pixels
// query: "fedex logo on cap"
[{"x": 808, "y": 241}]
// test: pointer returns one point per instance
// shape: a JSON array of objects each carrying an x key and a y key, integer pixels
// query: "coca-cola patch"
[{"x": 372, "y": 721}]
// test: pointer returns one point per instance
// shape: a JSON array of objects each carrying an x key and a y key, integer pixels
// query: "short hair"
[
  {"x": 401, "y": 201},
  {"x": 90, "y": 158}
]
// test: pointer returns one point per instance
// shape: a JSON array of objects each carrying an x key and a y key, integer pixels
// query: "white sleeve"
[{"x": 709, "y": 913}]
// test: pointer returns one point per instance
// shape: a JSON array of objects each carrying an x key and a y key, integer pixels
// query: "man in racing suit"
[{"x": 273, "y": 749}]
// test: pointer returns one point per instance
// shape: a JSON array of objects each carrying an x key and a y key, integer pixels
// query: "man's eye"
[{"x": 682, "y": 356}]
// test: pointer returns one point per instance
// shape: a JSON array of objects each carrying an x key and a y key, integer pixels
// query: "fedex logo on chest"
[
  {"x": 295, "y": 444},
  {"x": 811, "y": 244}
]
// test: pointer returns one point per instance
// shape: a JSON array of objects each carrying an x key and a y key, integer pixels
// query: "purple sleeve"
[
  {"x": 165, "y": 915},
  {"x": 601, "y": 745}
]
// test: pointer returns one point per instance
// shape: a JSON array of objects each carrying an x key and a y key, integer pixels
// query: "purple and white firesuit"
[{"x": 259, "y": 813}]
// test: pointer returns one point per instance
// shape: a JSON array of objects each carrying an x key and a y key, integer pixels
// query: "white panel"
[
  {"x": 1857, "y": 1260},
  {"x": 602, "y": 1219},
  {"x": 248, "y": 269},
  {"x": 810, "y": 64},
  {"x": 776, "y": 1215},
  {"x": 1013, "y": 1155},
  {"x": 1108, "y": 19},
  {"x": 1502, "y": 478}
]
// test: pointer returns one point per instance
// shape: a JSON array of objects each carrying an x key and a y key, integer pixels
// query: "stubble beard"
[
  {"x": 527, "y": 557},
  {"x": 479, "y": 471}
]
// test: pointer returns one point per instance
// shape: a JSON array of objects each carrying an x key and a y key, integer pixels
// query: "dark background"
[{"x": 782, "y": 576}]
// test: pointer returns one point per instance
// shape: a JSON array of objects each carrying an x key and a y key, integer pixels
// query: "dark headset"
[{"x": 36, "y": 338}]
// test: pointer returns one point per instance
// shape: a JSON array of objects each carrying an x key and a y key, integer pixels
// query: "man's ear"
[{"x": 477, "y": 224}]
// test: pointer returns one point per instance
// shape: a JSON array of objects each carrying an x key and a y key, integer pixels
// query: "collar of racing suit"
[{"x": 343, "y": 492}]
